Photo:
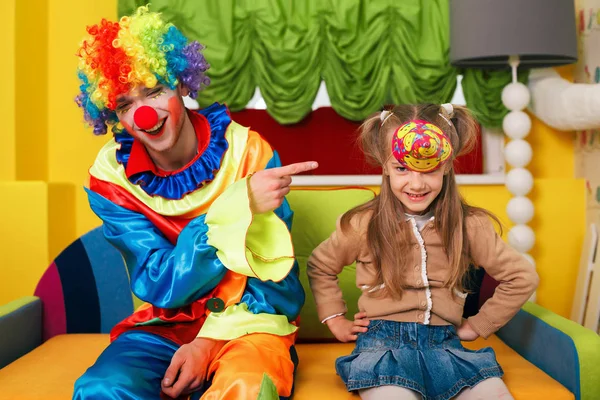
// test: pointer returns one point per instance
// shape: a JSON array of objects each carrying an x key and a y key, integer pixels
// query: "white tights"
[{"x": 489, "y": 389}]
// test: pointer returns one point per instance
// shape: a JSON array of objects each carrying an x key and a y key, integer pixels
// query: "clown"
[{"x": 195, "y": 204}]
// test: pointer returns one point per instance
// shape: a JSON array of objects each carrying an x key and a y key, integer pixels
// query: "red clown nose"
[{"x": 145, "y": 117}]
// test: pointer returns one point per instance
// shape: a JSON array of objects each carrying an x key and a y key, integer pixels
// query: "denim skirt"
[{"x": 427, "y": 359}]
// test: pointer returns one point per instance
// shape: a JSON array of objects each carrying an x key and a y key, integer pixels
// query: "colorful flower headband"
[{"x": 137, "y": 50}]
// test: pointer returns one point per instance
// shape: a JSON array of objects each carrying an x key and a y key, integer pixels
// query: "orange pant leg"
[{"x": 241, "y": 364}]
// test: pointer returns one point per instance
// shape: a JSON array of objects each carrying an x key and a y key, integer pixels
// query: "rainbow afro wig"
[{"x": 138, "y": 50}]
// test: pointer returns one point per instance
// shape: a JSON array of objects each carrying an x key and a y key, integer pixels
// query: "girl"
[{"x": 413, "y": 245}]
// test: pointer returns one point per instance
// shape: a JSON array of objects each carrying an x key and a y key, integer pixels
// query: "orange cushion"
[
  {"x": 50, "y": 371},
  {"x": 317, "y": 378}
]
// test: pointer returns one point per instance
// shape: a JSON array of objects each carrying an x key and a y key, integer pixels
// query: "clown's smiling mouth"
[{"x": 155, "y": 130}]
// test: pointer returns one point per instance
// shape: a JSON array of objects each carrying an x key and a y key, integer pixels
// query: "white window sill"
[{"x": 375, "y": 180}]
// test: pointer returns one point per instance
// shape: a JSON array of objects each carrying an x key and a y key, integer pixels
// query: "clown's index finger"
[{"x": 296, "y": 168}]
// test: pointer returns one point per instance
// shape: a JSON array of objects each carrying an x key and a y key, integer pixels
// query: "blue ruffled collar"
[{"x": 198, "y": 174}]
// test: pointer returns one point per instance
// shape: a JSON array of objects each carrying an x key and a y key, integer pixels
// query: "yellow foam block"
[
  {"x": 23, "y": 237},
  {"x": 61, "y": 217}
]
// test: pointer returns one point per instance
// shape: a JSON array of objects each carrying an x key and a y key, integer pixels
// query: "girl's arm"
[
  {"x": 516, "y": 276},
  {"x": 324, "y": 265}
]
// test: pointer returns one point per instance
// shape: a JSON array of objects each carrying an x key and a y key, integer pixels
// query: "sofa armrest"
[
  {"x": 563, "y": 349},
  {"x": 20, "y": 328}
]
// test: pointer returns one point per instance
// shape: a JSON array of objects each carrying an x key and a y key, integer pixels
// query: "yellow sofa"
[{"x": 49, "y": 340}]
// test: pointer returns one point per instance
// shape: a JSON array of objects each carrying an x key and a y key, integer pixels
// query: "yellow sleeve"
[{"x": 254, "y": 245}]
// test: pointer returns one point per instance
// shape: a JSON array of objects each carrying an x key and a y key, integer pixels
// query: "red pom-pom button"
[{"x": 145, "y": 117}]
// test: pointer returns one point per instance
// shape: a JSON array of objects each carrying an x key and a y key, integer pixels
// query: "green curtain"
[
  {"x": 483, "y": 93},
  {"x": 368, "y": 53}
]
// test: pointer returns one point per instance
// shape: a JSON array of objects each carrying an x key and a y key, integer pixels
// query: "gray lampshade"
[{"x": 484, "y": 33}]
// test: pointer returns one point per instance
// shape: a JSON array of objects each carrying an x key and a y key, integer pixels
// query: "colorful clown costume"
[{"x": 202, "y": 262}]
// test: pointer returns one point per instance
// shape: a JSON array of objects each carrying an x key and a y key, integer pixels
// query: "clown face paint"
[
  {"x": 169, "y": 116},
  {"x": 420, "y": 146}
]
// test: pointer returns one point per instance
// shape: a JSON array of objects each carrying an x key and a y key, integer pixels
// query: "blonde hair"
[{"x": 449, "y": 208}]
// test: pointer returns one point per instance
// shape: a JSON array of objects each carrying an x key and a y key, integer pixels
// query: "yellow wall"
[
  {"x": 71, "y": 145},
  {"x": 31, "y": 99},
  {"x": 65, "y": 148},
  {"x": 7, "y": 100}
]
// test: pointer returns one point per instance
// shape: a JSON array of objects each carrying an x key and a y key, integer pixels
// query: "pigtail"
[
  {"x": 371, "y": 140},
  {"x": 464, "y": 128}
]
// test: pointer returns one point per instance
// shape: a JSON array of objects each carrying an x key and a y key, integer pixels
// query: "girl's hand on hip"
[
  {"x": 345, "y": 330},
  {"x": 466, "y": 333}
]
